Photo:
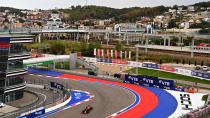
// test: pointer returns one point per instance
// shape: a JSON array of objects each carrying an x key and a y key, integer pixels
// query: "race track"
[
  {"x": 115, "y": 99},
  {"x": 108, "y": 99}
]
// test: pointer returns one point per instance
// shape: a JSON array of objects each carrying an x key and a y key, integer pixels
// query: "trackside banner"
[
  {"x": 201, "y": 74},
  {"x": 34, "y": 114},
  {"x": 57, "y": 85},
  {"x": 151, "y": 82}
]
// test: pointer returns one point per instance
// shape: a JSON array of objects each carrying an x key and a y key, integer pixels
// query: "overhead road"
[{"x": 52, "y": 59}]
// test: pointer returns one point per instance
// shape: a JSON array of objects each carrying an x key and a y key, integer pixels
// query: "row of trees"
[{"x": 120, "y": 15}]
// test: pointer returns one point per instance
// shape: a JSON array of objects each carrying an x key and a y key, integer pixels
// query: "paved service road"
[{"x": 108, "y": 99}]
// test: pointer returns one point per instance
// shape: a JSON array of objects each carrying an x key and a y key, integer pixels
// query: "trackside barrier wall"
[
  {"x": 151, "y": 82},
  {"x": 200, "y": 112},
  {"x": 149, "y": 65},
  {"x": 34, "y": 113},
  {"x": 182, "y": 71},
  {"x": 58, "y": 106}
]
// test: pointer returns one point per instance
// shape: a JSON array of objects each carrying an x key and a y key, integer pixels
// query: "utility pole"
[
  {"x": 192, "y": 48},
  {"x": 137, "y": 58}
]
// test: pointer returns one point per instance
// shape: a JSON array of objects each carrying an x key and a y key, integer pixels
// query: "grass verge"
[{"x": 162, "y": 74}]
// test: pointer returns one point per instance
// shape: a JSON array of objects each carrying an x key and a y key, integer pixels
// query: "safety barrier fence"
[
  {"x": 58, "y": 96},
  {"x": 198, "y": 113},
  {"x": 151, "y": 65}
]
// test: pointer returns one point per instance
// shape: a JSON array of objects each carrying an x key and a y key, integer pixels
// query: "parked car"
[
  {"x": 90, "y": 72},
  {"x": 1, "y": 104},
  {"x": 117, "y": 75},
  {"x": 205, "y": 68},
  {"x": 198, "y": 67}
]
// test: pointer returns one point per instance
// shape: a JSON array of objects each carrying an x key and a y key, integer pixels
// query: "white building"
[
  {"x": 54, "y": 22},
  {"x": 191, "y": 8}
]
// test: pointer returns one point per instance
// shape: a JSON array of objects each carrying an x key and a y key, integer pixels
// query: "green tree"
[
  {"x": 183, "y": 61},
  {"x": 202, "y": 63},
  {"x": 84, "y": 49},
  {"x": 119, "y": 47},
  {"x": 177, "y": 61},
  {"x": 160, "y": 61},
  {"x": 57, "y": 47},
  {"x": 189, "y": 62},
  {"x": 91, "y": 48},
  {"x": 172, "y": 24}
]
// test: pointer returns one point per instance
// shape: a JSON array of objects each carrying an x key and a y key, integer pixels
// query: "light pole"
[{"x": 137, "y": 58}]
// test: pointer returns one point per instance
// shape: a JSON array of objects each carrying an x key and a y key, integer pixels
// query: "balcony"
[
  {"x": 16, "y": 70},
  {"x": 18, "y": 54},
  {"x": 14, "y": 87}
]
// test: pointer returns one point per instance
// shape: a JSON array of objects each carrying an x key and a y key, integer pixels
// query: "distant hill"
[
  {"x": 120, "y": 15},
  {"x": 202, "y": 4},
  {"x": 12, "y": 10},
  {"x": 100, "y": 12}
]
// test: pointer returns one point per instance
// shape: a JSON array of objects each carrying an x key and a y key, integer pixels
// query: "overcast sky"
[{"x": 51, "y": 4}]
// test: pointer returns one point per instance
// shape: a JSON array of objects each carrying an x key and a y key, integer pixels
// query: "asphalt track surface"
[{"x": 108, "y": 99}]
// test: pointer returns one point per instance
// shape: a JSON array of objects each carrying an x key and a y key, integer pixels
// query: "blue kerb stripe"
[
  {"x": 71, "y": 102},
  {"x": 44, "y": 72}
]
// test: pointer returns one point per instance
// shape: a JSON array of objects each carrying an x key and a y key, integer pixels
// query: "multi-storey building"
[{"x": 12, "y": 70}]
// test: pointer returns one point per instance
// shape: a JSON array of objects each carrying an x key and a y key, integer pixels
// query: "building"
[
  {"x": 191, "y": 8},
  {"x": 12, "y": 69},
  {"x": 55, "y": 21}
]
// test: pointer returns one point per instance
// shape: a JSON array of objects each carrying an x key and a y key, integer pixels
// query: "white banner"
[
  {"x": 89, "y": 59},
  {"x": 111, "y": 53},
  {"x": 120, "y": 54},
  {"x": 182, "y": 71},
  {"x": 102, "y": 52},
  {"x": 94, "y": 51},
  {"x": 129, "y": 56}
]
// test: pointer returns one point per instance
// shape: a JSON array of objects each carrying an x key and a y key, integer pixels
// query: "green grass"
[
  {"x": 58, "y": 65},
  {"x": 162, "y": 74}
]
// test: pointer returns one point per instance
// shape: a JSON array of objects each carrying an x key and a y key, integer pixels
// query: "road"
[{"x": 108, "y": 99}]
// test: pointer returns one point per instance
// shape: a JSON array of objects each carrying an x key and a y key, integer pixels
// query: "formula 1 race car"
[{"x": 87, "y": 110}]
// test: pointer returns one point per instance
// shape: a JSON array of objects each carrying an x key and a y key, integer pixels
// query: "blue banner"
[
  {"x": 105, "y": 60},
  {"x": 151, "y": 82},
  {"x": 201, "y": 74},
  {"x": 57, "y": 85},
  {"x": 34, "y": 114},
  {"x": 150, "y": 65}
]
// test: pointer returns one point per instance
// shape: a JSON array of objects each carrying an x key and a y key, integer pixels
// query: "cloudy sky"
[{"x": 50, "y": 4}]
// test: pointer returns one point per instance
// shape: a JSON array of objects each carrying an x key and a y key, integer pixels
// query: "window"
[
  {"x": 16, "y": 48},
  {"x": 10, "y": 81},
  {"x": 15, "y": 64}
]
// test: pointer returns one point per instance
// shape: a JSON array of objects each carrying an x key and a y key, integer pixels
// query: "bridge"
[{"x": 52, "y": 59}]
